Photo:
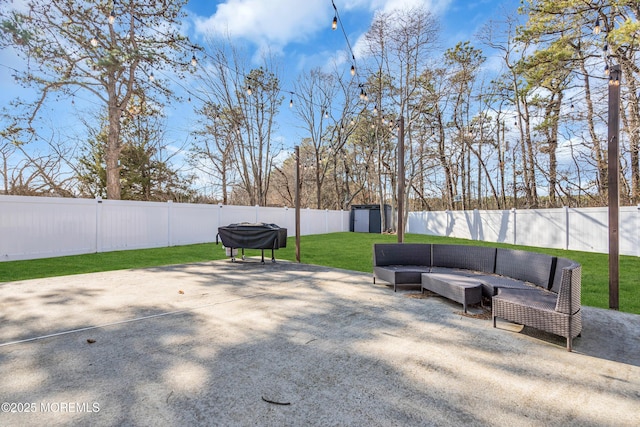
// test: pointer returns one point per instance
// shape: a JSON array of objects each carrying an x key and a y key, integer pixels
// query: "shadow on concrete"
[{"x": 288, "y": 344}]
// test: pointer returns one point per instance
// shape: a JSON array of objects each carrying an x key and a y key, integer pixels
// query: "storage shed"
[{"x": 367, "y": 218}]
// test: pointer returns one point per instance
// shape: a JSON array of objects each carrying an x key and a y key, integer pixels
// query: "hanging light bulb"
[
  {"x": 334, "y": 24},
  {"x": 291, "y": 103},
  {"x": 353, "y": 70},
  {"x": 194, "y": 61},
  {"x": 366, "y": 98},
  {"x": 326, "y": 114},
  {"x": 361, "y": 94},
  {"x": 94, "y": 42},
  {"x": 606, "y": 70},
  {"x": 605, "y": 48},
  {"x": 596, "y": 28},
  {"x": 375, "y": 109},
  {"x": 249, "y": 91},
  {"x": 152, "y": 77},
  {"x": 112, "y": 17},
  {"x": 353, "y": 122}
]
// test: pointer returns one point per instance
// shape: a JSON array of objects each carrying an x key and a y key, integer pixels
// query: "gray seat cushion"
[
  {"x": 476, "y": 258},
  {"x": 534, "y": 298},
  {"x": 400, "y": 274},
  {"x": 401, "y": 254},
  {"x": 526, "y": 266}
]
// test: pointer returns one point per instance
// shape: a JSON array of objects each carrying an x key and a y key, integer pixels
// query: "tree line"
[{"x": 515, "y": 118}]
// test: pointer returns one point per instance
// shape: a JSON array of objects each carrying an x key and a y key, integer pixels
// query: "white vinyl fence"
[
  {"x": 580, "y": 229},
  {"x": 41, "y": 227}
]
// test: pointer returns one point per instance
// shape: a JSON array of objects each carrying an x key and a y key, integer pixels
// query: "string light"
[
  {"x": 334, "y": 26},
  {"x": 606, "y": 70},
  {"x": 152, "y": 77},
  {"x": 291, "y": 103},
  {"x": 194, "y": 61},
  {"x": 94, "y": 42},
  {"x": 112, "y": 17},
  {"x": 249, "y": 91},
  {"x": 596, "y": 28},
  {"x": 614, "y": 82}
]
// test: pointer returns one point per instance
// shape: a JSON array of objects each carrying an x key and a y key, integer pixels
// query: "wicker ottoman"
[{"x": 464, "y": 290}]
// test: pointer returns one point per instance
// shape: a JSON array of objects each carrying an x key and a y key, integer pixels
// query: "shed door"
[{"x": 361, "y": 220}]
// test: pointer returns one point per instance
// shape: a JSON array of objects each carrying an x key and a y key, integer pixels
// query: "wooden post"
[
  {"x": 297, "y": 202},
  {"x": 615, "y": 75},
  {"x": 401, "y": 180}
]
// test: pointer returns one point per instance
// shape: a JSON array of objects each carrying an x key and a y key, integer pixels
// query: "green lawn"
[{"x": 351, "y": 251}]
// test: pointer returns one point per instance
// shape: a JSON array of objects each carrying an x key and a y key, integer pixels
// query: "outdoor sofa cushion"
[
  {"x": 527, "y": 266},
  {"x": 475, "y": 258}
]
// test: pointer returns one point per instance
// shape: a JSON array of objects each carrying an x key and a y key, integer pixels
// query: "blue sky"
[{"x": 297, "y": 31}]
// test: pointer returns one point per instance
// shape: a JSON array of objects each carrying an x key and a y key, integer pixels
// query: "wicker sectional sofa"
[{"x": 533, "y": 289}]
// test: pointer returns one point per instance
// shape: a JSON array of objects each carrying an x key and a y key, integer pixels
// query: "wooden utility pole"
[
  {"x": 297, "y": 202},
  {"x": 401, "y": 180},
  {"x": 615, "y": 75}
]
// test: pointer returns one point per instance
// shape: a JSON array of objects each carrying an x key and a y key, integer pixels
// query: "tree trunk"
[{"x": 112, "y": 152}]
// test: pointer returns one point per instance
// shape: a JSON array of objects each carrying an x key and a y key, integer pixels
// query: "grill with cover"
[{"x": 247, "y": 235}]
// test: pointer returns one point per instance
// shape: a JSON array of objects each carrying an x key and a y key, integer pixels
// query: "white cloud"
[
  {"x": 279, "y": 22},
  {"x": 433, "y": 6},
  {"x": 275, "y": 22}
]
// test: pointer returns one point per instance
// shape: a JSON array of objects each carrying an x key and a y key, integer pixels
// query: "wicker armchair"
[{"x": 558, "y": 313}]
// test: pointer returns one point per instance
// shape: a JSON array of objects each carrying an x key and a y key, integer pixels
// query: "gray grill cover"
[{"x": 253, "y": 236}]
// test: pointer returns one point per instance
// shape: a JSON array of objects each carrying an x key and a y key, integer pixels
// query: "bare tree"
[
  {"x": 400, "y": 44},
  {"x": 245, "y": 102},
  {"x": 108, "y": 49}
]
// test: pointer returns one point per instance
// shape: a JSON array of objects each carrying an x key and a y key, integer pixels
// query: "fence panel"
[
  {"x": 495, "y": 226},
  {"x": 427, "y": 222},
  {"x": 132, "y": 225},
  {"x": 336, "y": 221},
  {"x": 580, "y": 229},
  {"x": 589, "y": 229},
  {"x": 314, "y": 222},
  {"x": 541, "y": 227},
  {"x": 276, "y": 216},
  {"x": 234, "y": 214},
  {"x": 37, "y": 227},
  {"x": 630, "y": 230},
  {"x": 192, "y": 224}
]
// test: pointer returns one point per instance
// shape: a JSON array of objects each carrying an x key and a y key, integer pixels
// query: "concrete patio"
[{"x": 243, "y": 343}]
